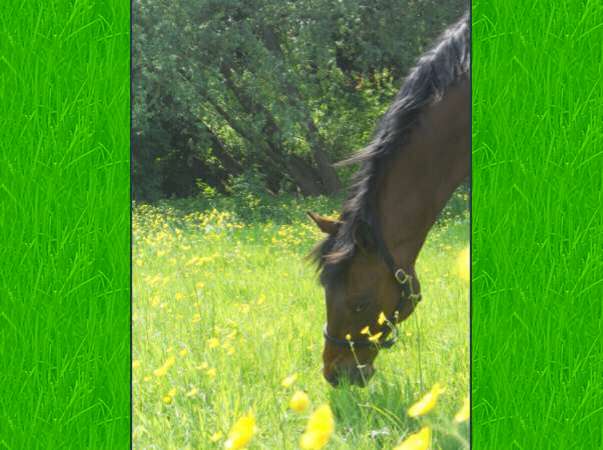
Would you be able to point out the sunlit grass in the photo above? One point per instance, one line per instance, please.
(239, 312)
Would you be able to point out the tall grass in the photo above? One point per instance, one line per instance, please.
(537, 196)
(64, 213)
(239, 309)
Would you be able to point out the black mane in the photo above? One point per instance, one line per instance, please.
(438, 69)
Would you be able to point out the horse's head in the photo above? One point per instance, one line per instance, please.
(365, 299)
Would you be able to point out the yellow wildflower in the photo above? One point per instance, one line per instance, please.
(427, 402)
(169, 397)
(213, 342)
(135, 364)
(162, 371)
(375, 337)
(202, 366)
(382, 319)
(197, 318)
(463, 264)
(416, 441)
(319, 429)
(199, 285)
(183, 352)
(179, 296)
(232, 334)
(211, 373)
(147, 378)
(366, 330)
(288, 381)
(348, 337)
(192, 392)
(268, 334)
(464, 412)
(241, 432)
(216, 436)
(299, 401)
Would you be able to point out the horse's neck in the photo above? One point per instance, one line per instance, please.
(421, 179)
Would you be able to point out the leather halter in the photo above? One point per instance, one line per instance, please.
(404, 279)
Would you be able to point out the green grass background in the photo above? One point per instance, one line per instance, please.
(64, 211)
(64, 224)
(537, 319)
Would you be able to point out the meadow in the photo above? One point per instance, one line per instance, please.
(226, 308)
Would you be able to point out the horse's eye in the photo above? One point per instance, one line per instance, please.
(359, 307)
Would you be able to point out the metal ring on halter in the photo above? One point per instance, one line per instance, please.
(401, 276)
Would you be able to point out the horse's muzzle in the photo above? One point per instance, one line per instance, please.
(355, 375)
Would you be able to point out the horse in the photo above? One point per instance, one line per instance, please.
(419, 154)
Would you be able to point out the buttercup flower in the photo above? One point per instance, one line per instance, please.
(216, 436)
(382, 319)
(416, 441)
(427, 402)
(241, 432)
(463, 263)
(162, 371)
(169, 397)
(288, 381)
(464, 412)
(319, 429)
(299, 401)
(192, 392)
(375, 337)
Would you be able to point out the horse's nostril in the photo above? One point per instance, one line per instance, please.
(331, 378)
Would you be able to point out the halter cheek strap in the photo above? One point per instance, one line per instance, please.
(404, 279)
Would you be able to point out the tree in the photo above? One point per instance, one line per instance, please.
(221, 87)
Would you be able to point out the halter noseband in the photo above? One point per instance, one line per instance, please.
(404, 279)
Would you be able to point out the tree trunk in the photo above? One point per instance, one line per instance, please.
(326, 172)
(328, 175)
(300, 172)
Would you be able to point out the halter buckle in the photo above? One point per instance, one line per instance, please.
(401, 277)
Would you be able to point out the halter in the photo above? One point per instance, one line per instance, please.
(404, 279)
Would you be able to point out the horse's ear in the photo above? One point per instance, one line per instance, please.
(326, 225)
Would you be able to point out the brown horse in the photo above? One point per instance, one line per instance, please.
(420, 154)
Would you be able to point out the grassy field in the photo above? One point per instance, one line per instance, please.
(234, 308)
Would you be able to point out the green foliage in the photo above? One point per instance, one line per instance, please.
(283, 87)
